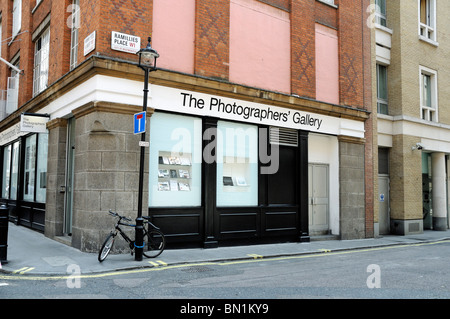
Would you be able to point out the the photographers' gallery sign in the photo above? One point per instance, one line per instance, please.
(176, 100)
(34, 123)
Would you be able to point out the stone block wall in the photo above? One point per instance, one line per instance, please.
(107, 160)
(56, 174)
(352, 190)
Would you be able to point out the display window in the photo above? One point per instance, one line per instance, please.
(14, 171)
(6, 175)
(41, 176)
(237, 164)
(175, 161)
(29, 168)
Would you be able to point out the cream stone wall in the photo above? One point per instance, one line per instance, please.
(409, 52)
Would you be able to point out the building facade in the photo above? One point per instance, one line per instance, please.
(260, 123)
(413, 122)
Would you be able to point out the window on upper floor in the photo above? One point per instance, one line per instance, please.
(382, 90)
(75, 25)
(12, 92)
(381, 12)
(16, 17)
(428, 95)
(41, 63)
(427, 20)
(328, 1)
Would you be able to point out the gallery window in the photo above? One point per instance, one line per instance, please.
(6, 174)
(237, 164)
(35, 168)
(175, 161)
(33, 165)
(41, 174)
(14, 171)
(29, 168)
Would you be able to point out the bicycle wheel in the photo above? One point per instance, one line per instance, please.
(154, 243)
(106, 248)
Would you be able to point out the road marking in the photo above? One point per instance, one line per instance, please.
(23, 270)
(3, 284)
(325, 250)
(162, 263)
(219, 263)
(255, 256)
(158, 263)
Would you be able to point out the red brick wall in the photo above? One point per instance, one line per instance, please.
(303, 79)
(126, 16)
(5, 6)
(351, 26)
(212, 38)
(369, 127)
(326, 14)
(282, 4)
(60, 38)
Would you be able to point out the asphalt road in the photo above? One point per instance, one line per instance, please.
(413, 272)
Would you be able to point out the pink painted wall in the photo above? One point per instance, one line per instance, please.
(260, 46)
(327, 65)
(174, 34)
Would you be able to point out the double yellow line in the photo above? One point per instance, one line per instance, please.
(23, 270)
(157, 265)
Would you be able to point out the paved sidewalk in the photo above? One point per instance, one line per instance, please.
(32, 253)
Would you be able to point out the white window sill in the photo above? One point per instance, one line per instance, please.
(328, 4)
(429, 41)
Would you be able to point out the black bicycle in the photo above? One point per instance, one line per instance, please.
(154, 240)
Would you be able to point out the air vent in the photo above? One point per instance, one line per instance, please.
(283, 136)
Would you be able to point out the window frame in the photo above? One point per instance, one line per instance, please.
(429, 113)
(74, 33)
(381, 100)
(6, 171)
(328, 2)
(41, 62)
(381, 17)
(16, 17)
(427, 31)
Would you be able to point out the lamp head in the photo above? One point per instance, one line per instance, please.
(147, 57)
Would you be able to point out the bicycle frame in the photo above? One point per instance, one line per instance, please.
(152, 249)
(124, 235)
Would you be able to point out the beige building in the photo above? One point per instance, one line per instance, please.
(413, 122)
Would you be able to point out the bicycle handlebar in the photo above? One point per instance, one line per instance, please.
(117, 215)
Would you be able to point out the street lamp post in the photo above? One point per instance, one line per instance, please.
(147, 62)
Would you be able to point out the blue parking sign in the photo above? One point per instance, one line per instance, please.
(139, 122)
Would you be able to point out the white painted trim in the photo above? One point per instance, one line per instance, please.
(122, 91)
(434, 136)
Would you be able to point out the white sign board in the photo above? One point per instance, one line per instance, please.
(33, 123)
(125, 42)
(89, 43)
(180, 101)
